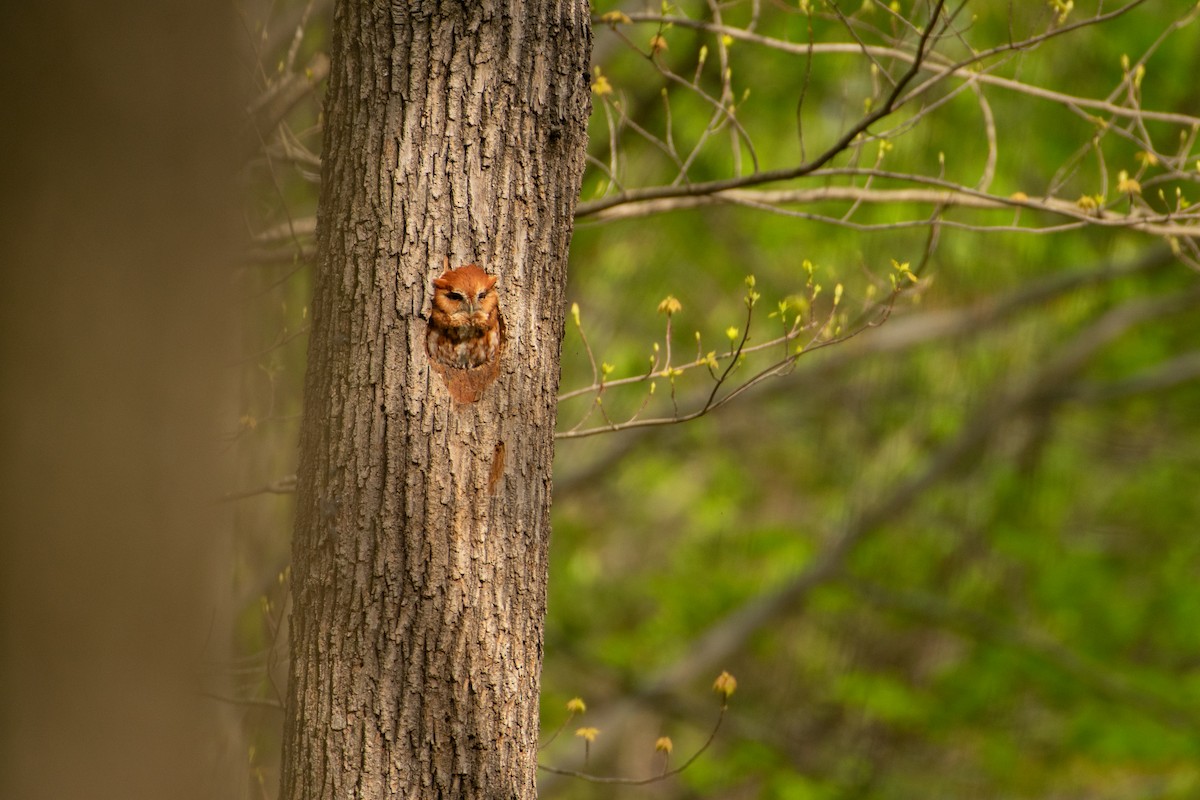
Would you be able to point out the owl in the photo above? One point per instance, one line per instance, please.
(465, 335)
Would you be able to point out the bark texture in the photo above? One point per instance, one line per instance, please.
(419, 564)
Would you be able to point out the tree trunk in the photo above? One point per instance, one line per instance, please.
(115, 243)
(419, 564)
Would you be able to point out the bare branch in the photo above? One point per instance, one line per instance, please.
(269, 110)
(245, 701)
(1099, 678)
(919, 60)
(1168, 374)
(708, 187)
(287, 231)
(285, 485)
(587, 776)
(947, 194)
(713, 401)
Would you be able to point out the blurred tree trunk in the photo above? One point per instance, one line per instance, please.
(419, 560)
(115, 241)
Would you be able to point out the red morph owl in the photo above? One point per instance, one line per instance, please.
(465, 336)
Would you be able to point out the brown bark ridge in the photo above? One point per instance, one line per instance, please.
(419, 564)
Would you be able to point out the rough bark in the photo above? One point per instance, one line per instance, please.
(419, 562)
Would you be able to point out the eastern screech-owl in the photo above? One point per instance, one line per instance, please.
(465, 336)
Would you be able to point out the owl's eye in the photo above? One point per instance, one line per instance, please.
(454, 296)
(482, 295)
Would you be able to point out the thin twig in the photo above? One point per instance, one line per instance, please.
(587, 776)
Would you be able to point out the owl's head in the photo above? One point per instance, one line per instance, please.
(466, 295)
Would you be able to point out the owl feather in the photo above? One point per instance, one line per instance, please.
(465, 335)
